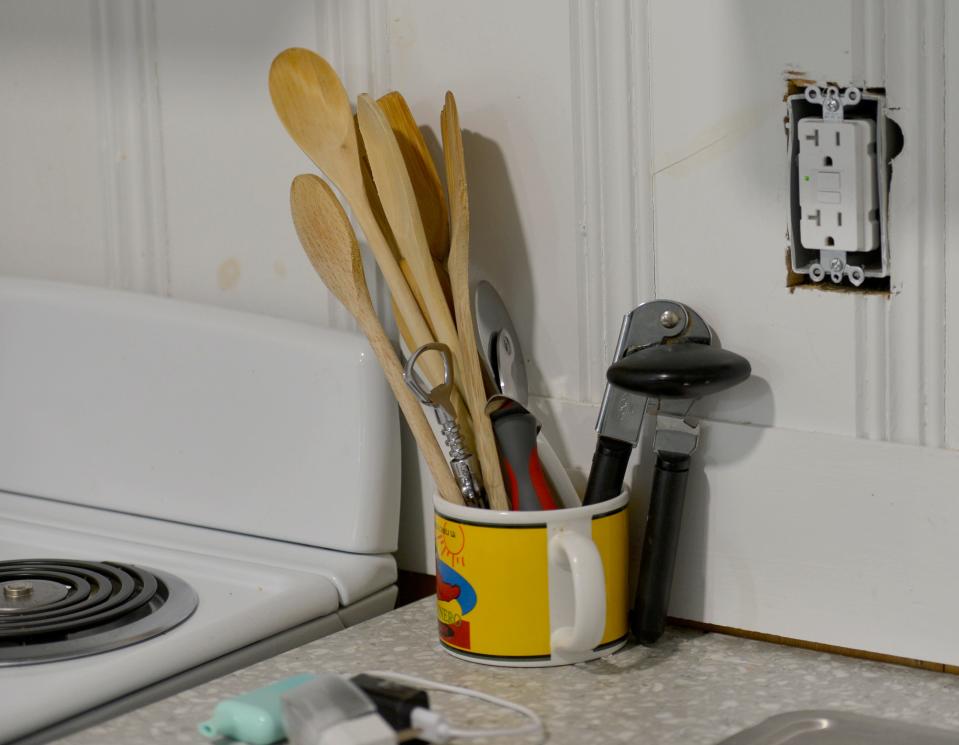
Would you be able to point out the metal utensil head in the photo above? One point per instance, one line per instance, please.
(500, 351)
(508, 366)
(438, 396)
(649, 324)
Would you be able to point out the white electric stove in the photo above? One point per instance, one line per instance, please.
(185, 490)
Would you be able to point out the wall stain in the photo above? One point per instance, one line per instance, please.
(279, 268)
(228, 274)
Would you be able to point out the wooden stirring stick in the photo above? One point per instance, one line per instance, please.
(458, 264)
(330, 243)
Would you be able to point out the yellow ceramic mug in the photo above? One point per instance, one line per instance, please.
(532, 588)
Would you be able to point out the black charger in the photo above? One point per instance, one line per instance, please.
(394, 701)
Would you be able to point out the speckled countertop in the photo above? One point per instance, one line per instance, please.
(690, 688)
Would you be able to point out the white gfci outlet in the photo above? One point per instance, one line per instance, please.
(837, 189)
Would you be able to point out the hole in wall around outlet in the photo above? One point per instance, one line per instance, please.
(796, 83)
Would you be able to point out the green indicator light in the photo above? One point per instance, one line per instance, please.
(805, 178)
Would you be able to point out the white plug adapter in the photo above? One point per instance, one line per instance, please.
(371, 729)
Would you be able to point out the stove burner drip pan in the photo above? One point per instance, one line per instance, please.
(57, 609)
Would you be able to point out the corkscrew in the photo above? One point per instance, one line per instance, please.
(463, 463)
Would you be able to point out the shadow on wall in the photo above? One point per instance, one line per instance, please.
(498, 253)
(750, 402)
(715, 451)
(498, 250)
(688, 599)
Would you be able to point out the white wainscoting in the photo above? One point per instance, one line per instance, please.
(618, 150)
(824, 538)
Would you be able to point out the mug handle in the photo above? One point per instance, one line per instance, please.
(579, 553)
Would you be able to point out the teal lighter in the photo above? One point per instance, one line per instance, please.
(255, 717)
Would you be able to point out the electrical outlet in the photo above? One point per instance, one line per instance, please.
(837, 189)
(840, 147)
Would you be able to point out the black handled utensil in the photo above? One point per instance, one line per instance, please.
(677, 374)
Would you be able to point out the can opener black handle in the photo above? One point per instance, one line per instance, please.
(675, 369)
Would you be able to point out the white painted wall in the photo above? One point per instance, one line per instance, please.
(617, 151)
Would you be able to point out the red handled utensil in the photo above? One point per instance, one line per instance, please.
(514, 427)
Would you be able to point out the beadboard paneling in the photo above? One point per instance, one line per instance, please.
(613, 185)
(916, 322)
(228, 160)
(951, 227)
(871, 368)
(132, 167)
(52, 211)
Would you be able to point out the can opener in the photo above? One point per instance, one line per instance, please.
(666, 355)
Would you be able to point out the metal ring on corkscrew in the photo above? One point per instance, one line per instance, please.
(462, 462)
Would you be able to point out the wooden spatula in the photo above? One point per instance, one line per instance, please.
(463, 417)
(396, 194)
(419, 163)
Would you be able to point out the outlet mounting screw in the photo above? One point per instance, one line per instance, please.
(832, 104)
(836, 265)
(669, 319)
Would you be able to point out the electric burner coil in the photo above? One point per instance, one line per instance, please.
(57, 609)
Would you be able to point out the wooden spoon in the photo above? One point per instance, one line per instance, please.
(313, 106)
(458, 264)
(426, 181)
(330, 243)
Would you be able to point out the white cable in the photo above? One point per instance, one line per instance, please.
(444, 730)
